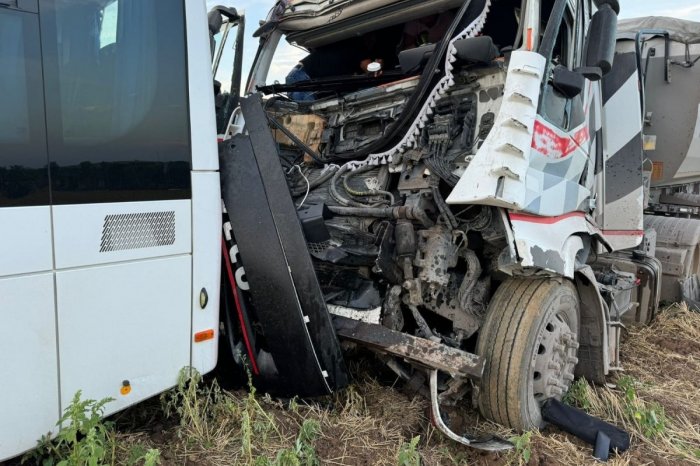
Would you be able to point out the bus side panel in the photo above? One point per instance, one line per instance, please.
(29, 392)
(206, 269)
(93, 234)
(124, 329)
(26, 240)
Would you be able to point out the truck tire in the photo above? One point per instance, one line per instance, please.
(529, 341)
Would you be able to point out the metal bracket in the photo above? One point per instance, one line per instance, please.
(419, 351)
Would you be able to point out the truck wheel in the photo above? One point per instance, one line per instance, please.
(529, 341)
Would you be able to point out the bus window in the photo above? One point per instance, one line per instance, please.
(23, 160)
(117, 108)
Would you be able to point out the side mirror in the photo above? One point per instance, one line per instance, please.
(214, 18)
(569, 83)
(215, 21)
(600, 47)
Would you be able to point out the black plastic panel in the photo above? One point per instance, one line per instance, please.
(292, 238)
(286, 294)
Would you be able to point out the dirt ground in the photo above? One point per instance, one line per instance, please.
(656, 399)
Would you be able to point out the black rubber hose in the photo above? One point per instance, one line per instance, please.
(370, 192)
(444, 209)
(299, 189)
(335, 194)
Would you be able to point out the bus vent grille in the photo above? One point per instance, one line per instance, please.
(136, 231)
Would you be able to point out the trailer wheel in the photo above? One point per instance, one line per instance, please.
(529, 340)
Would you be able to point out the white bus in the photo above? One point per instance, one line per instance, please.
(110, 218)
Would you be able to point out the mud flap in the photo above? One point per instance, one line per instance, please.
(292, 316)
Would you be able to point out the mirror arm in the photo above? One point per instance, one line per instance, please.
(551, 32)
(549, 39)
(237, 72)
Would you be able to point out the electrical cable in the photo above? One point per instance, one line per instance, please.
(308, 185)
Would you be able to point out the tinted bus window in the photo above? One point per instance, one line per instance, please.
(23, 160)
(116, 100)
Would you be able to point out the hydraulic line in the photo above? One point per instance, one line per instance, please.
(444, 209)
(408, 213)
(335, 194)
(369, 192)
(327, 174)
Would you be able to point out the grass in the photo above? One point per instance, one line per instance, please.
(522, 453)
(408, 453)
(657, 400)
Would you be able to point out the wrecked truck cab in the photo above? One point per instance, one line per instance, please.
(455, 197)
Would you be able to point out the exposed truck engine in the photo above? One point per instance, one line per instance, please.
(381, 233)
(483, 195)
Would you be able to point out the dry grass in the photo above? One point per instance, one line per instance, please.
(373, 424)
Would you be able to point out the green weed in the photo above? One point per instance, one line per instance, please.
(303, 453)
(143, 456)
(523, 447)
(408, 453)
(578, 395)
(83, 437)
(649, 417)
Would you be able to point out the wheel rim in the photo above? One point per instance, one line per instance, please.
(554, 358)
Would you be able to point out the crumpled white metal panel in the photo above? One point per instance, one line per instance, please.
(497, 174)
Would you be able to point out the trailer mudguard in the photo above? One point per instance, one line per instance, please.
(289, 304)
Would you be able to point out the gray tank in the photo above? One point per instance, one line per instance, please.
(672, 124)
(669, 51)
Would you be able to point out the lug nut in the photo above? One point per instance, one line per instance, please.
(555, 366)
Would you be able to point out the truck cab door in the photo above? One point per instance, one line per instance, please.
(28, 356)
(562, 135)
